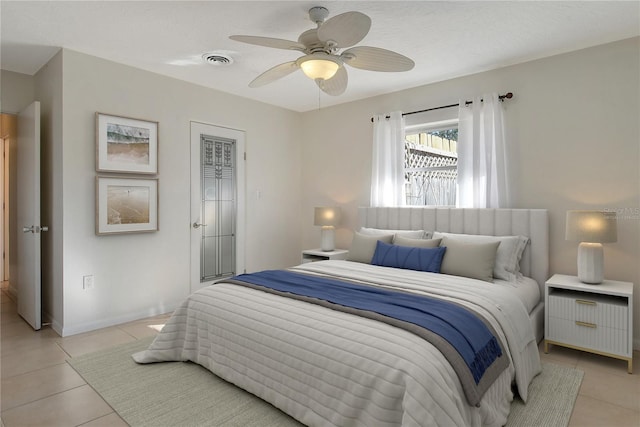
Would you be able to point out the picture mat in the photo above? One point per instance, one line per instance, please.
(138, 216)
(139, 157)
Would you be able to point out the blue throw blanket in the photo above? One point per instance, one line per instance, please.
(469, 335)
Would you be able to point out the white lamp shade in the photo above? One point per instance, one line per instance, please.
(592, 226)
(326, 216)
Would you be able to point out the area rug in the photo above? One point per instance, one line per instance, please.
(185, 394)
(552, 395)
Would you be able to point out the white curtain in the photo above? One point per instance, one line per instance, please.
(387, 172)
(483, 180)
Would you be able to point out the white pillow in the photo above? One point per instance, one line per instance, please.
(507, 264)
(364, 246)
(469, 259)
(416, 243)
(411, 234)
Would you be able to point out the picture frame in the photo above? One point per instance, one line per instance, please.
(126, 145)
(126, 205)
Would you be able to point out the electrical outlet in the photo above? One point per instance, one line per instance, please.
(87, 282)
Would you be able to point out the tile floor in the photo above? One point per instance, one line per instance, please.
(38, 388)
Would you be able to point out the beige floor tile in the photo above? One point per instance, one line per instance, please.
(615, 389)
(94, 341)
(21, 337)
(35, 385)
(17, 326)
(590, 412)
(610, 365)
(111, 420)
(142, 329)
(8, 307)
(69, 408)
(560, 355)
(17, 363)
(5, 297)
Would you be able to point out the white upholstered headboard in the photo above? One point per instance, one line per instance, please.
(532, 223)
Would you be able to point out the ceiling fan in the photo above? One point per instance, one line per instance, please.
(322, 61)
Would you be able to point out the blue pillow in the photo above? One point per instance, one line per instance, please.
(421, 259)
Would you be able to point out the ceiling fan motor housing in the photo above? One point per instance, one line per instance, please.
(318, 14)
(313, 44)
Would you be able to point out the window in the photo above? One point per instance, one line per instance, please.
(431, 163)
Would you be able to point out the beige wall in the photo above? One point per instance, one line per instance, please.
(17, 91)
(573, 127)
(138, 275)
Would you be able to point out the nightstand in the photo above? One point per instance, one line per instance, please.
(593, 318)
(311, 255)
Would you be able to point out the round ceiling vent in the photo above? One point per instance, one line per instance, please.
(217, 58)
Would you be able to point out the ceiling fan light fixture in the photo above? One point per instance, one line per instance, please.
(321, 67)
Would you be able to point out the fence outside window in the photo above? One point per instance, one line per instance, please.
(431, 168)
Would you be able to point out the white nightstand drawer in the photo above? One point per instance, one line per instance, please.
(589, 335)
(603, 310)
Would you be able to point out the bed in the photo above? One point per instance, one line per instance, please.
(326, 366)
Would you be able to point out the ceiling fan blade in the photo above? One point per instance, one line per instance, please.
(269, 42)
(336, 85)
(376, 59)
(345, 29)
(274, 74)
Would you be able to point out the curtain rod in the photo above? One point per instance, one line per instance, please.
(508, 95)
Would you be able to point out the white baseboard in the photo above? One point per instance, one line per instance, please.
(113, 321)
(55, 325)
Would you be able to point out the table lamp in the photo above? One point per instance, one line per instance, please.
(591, 229)
(328, 218)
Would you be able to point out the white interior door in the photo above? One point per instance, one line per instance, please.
(28, 276)
(217, 203)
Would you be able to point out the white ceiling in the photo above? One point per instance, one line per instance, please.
(445, 39)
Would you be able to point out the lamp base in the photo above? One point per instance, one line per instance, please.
(590, 263)
(328, 238)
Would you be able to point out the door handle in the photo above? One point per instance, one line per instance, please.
(34, 229)
(196, 225)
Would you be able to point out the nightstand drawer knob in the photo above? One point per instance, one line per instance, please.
(584, 302)
(588, 325)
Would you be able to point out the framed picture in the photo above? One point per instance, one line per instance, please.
(126, 205)
(126, 145)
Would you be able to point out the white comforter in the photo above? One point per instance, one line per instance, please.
(329, 368)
